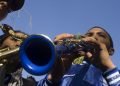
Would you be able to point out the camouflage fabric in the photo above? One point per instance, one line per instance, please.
(78, 60)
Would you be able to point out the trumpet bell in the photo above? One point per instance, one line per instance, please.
(37, 54)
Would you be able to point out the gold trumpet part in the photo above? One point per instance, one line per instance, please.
(9, 58)
(7, 51)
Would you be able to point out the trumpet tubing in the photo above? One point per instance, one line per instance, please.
(6, 51)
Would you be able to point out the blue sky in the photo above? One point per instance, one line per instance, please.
(52, 17)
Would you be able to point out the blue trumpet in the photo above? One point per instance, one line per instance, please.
(38, 53)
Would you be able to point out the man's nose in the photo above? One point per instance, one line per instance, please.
(95, 36)
(18, 43)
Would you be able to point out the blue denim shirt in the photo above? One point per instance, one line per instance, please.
(86, 75)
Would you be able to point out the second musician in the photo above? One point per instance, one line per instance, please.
(97, 69)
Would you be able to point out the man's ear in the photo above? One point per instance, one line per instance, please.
(111, 51)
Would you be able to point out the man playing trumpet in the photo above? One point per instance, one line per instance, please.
(97, 68)
(10, 65)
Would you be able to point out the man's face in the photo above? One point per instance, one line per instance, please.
(3, 9)
(11, 42)
(12, 59)
(99, 35)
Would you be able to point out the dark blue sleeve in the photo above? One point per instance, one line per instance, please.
(112, 77)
